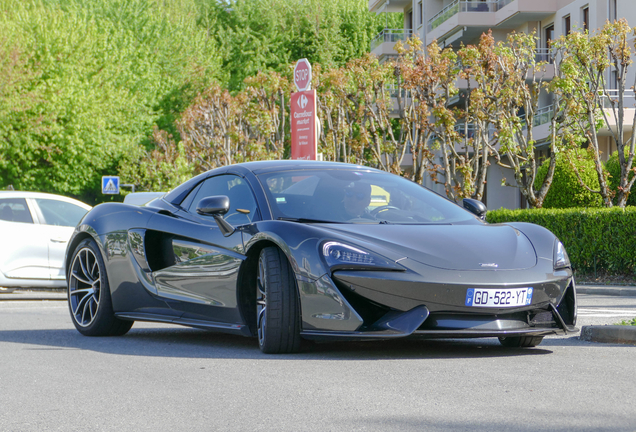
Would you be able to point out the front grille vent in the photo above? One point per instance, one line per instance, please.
(542, 318)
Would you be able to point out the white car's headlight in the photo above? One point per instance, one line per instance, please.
(561, 259)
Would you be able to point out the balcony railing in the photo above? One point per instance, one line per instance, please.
(629, 99)
(541, 117)
(468, 130)
(464, 6)
(544, 54)
(390, 35)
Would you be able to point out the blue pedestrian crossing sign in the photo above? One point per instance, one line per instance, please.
(110, 185)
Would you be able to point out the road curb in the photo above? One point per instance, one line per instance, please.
(607, 291)
(39, 295)
(617, 334)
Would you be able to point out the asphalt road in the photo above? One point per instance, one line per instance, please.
(162, 378)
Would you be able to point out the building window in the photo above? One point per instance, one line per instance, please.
(549, 35)
(409, 20)
(420, 16)
(566, 25)
(586, 18)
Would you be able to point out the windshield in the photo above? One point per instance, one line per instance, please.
(350, 196)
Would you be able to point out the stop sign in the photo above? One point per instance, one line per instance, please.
(302, 74)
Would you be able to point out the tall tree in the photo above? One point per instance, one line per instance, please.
(260, 35)
(586, 61)
(517, 78)
(97, 76)
(617, 102)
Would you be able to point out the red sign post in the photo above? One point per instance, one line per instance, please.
(304, 134)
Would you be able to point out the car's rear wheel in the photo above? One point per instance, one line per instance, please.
(277, 311)
(89, 298)
(521, 341)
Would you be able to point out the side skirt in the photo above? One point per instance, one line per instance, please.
(239, 329)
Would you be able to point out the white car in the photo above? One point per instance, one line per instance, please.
(35, 229)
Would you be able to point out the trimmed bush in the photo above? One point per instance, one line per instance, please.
(607, 235)
(614, 169)
(565, 190)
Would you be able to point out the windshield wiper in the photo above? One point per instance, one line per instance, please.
(306, 220)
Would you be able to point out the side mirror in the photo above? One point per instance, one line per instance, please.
(475, 207)
(216, 206)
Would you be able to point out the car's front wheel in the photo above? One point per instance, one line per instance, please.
(521, 341)
(89, 294)
(277, 308)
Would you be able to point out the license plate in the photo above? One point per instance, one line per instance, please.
(491, 297)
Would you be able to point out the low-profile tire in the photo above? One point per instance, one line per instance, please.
(521, 341)
(277, 306)
(89, 300)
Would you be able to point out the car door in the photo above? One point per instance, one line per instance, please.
(24, 251)
(58, 220)
(200, 264)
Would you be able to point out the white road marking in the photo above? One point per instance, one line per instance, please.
(606, 313)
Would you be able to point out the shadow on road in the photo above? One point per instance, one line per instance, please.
(193, 343)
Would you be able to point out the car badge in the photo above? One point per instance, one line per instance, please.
(489, 265)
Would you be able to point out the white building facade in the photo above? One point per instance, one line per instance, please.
(453, 22)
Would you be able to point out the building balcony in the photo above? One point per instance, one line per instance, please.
(465, 20)
(461, 6)
(629, 102)
(383, 45)
(379, 6)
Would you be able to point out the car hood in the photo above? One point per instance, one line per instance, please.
(452, 247)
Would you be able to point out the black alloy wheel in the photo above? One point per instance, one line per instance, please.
(277, 306)
(89, 299)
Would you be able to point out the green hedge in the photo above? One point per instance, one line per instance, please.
(565, 190)
(607, 235)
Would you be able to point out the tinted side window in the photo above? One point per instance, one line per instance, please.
(60, 213)
(15, 210)
(242, 202)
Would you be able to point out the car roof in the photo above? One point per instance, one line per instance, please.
(177, 195)
(42, 195)
(288, 165)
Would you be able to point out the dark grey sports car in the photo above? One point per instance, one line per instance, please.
(284, 250)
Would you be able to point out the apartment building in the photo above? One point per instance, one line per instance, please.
(450, 23)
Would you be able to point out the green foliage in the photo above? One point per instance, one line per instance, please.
(97, 75)
(600, 239)
(630, 322)
(162, 169)
(566, 191)
(614, 169)
(261, 35)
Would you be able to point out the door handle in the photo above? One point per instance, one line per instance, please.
(59, 240)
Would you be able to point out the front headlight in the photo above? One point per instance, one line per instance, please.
(340, 256)
(561, 259)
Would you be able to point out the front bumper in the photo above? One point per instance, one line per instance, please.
(439, 312)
